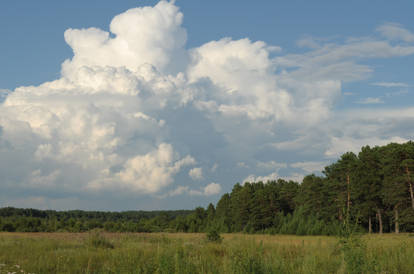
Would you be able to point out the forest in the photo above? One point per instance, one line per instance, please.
(373, 190)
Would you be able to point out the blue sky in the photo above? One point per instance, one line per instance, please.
(181, 100)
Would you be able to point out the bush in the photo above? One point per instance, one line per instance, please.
(8, 227)
(214, 236)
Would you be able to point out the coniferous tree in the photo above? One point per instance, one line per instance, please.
(368, 190)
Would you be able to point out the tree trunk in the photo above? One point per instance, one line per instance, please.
(348, 203)
(379, 220)
(410, 187)
(397, 225)
(369, 225)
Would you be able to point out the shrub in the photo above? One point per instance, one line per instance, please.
(214, 236)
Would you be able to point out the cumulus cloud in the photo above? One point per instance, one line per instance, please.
(243, 71)
(148, 35)
(270, 177)
(274, 176)
(196, 173)
(134, 111)
(101, 117)
(212, 189)
(209, 190)
(152, 171)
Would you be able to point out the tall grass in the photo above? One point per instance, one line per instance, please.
(192, 253)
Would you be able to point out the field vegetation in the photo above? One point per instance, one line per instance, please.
(98, 252)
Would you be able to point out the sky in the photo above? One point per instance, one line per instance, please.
(147, 105)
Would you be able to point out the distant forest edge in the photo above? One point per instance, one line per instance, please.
(374, 187)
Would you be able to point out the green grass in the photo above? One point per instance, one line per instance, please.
(192, 253)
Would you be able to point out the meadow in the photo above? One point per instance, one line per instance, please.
(99, 252)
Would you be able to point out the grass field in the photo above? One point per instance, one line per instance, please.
(191, 253)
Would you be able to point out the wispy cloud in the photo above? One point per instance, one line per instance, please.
(391, 84)
(271, 165)
(394, 31)
(370, 100)
(397, 93)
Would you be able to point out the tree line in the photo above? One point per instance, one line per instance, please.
(34, 220)
(374, 188)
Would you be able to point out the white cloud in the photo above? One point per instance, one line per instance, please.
(243, 72)
(270, 177)
(394, 31)
(196, 173)
(274, 176)
(209, 190)
(148, 35)
(212, 189)
(153, 171)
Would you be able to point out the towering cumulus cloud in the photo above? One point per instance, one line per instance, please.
(136, 113)
(149, 35)
(100, 125)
